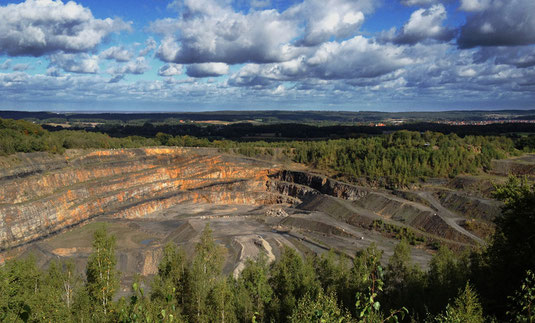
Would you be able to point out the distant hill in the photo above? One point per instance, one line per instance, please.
(277, 116)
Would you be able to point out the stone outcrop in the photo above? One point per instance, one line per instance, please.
(43, 194)
(303, 184)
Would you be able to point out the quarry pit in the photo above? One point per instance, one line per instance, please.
(51, 204)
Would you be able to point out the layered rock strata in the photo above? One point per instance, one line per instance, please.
(41, 194)
(56, 192)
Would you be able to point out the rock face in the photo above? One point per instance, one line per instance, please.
(303, 184)
(41, 194)
(44, 193)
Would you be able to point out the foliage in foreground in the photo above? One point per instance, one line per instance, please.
(328, 288)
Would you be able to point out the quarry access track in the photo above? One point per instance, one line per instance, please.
(449, 217)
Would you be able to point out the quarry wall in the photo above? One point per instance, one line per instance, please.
(41, 194)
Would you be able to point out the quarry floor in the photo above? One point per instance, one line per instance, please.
(243, 230)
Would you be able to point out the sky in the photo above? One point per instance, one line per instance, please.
(205, 55)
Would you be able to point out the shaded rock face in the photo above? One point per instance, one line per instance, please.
(43, 193)
(303, 184)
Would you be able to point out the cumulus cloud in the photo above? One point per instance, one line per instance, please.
(137, 66)
(75, 63)
(356, 58)
(424, 24)
(150, 45)
(207, 69)
(418, 2)
(208, 31)
(117, 53)
(170, 69)
(474, 5)
(518, 56)
(53, 71)
(332, 18)
(498, 23)
(38, 27)
(310, 54)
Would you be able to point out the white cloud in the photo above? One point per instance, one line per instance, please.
(150, 44)
(467, 72)
(137, 66)
(356, 58)
(474, 5)
(418, 2)
(207, 69)
(38, 27)
(312, 54)
(519, 56)
(280, 90)
(211, 32)
(423, 24)
(117, 53)
(325, 19)
(498, 23)
(170, 69)
(75, 63)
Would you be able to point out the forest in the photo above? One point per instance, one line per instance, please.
(392, 160)
(496, 283)
(276, 116)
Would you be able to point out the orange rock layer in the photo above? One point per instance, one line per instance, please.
(128, 183)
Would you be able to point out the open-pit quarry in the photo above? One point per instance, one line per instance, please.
(50, 206)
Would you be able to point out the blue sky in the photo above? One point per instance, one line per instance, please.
(199, 55)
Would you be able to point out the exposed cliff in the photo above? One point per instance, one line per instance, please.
(43, 193)
(302, 184)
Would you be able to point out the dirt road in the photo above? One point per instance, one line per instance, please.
(449, 217)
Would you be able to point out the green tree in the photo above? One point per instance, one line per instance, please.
(141, 309)
(220, 302)
(291, 278)
(447, 273)
(170, 285)
(404, 283)
(205, 271)
(499, 269)
(102, 277)
(465, 308)
(523, 302)
(19, 284)
(253, 291)
(322, 308)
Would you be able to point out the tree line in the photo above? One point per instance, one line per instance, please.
(494, 283)
(395, 159)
